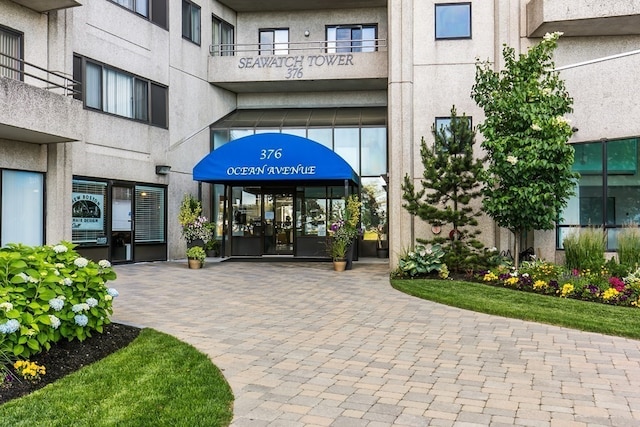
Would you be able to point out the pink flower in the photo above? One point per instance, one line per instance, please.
(616, 283)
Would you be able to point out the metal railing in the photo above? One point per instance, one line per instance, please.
(53, 81)
(322, 46)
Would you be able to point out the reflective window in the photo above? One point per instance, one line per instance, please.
(453, 20)
(347, 145)
(323, 136)
(22, 207)
(10, 54)
(117, 92)
(222, 38)
(373, 194)
(247, 215)
(351, 38)
(374, 144)
(610, 199)
(154, 10)
(191, 21)
(274, 41)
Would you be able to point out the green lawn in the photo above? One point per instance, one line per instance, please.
(155, 381)
(582, 315)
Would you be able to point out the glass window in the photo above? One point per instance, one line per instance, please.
(191, 21)
(453, 21)
(374, 208)
(149, 214)
(10, 54)
(347, 145)
(247, 212)
(274, 41)
(351, 38)
(311, 217)
(22, 208)
(88, 217)
(116, 92)
(322, 135)
(141, 7)
(222, 38)
(608, 191)
(374, 144)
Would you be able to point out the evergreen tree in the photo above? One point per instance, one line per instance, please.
(451, 181)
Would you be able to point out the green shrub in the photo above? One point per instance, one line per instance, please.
(629, 245)
(421, 262)
(48, 293)
(584, 249)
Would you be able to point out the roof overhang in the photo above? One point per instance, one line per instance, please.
(272, 158)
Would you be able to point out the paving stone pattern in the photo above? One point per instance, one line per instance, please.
(302, 345)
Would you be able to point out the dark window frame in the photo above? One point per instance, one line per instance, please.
(157, 116)
(20, 59)
(470, 17)
(188, 32)
(156, 9)
(222, 26)
(270, 48)
(352, 47)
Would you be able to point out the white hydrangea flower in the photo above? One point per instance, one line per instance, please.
(81, 319)
(92, 302)
(108, 297)
(59, 249)
(56, 303)
(81, 262)
(67, 281)
(59, 265)
(104, 263)
(512, 159)
(114, 293)
(535, 127)
(55, 322)
(552, 36)
(77, 308)
(6, 306)
(10, 326)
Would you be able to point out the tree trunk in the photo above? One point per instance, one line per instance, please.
(516, 249)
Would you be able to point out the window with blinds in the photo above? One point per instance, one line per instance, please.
(150, 214)
(10, 54)
(88, 218)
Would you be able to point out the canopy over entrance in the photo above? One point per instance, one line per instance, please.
(271, 157)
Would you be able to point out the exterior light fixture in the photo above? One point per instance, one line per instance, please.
(306, 33)
(162, 169)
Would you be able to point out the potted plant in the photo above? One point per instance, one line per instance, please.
(196, 229)
(381, 250)
(196, 256)
(343, 232)
(212, 248)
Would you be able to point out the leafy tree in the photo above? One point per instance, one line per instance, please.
(450, 183)
(529, 177)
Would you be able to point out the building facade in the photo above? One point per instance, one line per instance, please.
(106, 108)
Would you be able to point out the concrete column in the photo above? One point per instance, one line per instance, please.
(400, 127)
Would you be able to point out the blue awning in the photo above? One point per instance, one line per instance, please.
(270, 157)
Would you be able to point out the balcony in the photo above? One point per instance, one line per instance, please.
(289, 5)
(317, 66)
(36, 105)
(47, 5)
(581, 18)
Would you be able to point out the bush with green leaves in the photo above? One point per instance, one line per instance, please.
(48, 293)
(422, 261)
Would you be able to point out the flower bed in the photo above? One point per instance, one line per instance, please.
(549, 279)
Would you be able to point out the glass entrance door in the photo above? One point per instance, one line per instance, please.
(121, 223)
(278, 221)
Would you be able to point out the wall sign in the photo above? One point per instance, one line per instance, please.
(87, 211)
(294, 65)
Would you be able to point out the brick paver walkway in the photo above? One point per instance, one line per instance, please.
(302, 345)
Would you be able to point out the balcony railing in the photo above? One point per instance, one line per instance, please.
(53, 81)
(293, 48)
